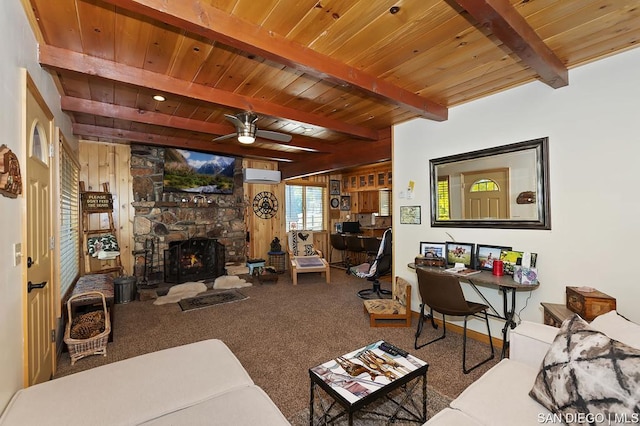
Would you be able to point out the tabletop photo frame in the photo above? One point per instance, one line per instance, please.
(432, 250)
(460, 253)
(486, 254)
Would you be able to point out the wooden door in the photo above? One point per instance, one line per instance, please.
(39, 345)
(486, 194)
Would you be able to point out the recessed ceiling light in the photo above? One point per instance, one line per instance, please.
(159, 98)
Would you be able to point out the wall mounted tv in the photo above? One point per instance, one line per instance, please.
(197, 172)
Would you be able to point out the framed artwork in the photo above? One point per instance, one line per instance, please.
(335, 202)
(510, 259)
(345, 202)
(410, 215)
(486, 254)
(428, 249)
(460, 253)
(334, 187)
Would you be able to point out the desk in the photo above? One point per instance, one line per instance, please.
(504, 284)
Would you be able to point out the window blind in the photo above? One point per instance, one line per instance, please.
(69, 222)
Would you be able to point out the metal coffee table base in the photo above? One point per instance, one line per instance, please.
(406, 408)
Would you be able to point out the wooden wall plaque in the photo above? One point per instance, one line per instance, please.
(10, 179)
(97, 201)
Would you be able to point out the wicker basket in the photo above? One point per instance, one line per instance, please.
(96, 345)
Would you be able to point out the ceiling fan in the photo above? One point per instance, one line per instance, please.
(246, 129)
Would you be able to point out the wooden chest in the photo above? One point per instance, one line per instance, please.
(589, 304)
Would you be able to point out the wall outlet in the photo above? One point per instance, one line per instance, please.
(17, 254)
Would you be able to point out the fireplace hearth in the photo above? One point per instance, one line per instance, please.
(193, 259)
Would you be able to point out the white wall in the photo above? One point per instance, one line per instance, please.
(17, 50)
(593, 127)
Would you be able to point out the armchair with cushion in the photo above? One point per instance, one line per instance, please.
(304, 256)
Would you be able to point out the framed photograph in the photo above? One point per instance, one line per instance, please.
(339, 228)
(335, 202)
(428, 249)
(510, 259)
(410, 215)
(345, 202)
(334, 187)
(460, 253)
(486, 254)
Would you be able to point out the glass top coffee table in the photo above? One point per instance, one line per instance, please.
(359, 378)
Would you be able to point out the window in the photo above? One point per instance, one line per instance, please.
(484, 185)
(385, 203)
(69, 222)
(304, 207)
(443, 198)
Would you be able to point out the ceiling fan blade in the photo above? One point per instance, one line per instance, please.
(236, 121)
(221, 138)
(276, 136)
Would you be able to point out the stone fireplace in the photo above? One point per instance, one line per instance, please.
(162, 220)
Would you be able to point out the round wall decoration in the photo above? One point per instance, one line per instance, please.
(265, 204)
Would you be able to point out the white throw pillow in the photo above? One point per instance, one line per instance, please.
(618, 328)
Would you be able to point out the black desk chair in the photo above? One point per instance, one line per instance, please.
(370, 246)
(355, 249)
(443, 293)
(337, 243)
(373, 271)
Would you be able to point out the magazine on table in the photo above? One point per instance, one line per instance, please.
(462, 271)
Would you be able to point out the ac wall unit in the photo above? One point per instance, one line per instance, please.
(261, 176)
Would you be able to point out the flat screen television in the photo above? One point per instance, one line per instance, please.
(197, 172)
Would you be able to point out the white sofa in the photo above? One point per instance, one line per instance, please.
(501, 395)
(201, 383)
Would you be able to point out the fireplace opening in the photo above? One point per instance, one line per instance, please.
(193, 259)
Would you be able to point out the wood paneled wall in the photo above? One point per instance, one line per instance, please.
(105, 162)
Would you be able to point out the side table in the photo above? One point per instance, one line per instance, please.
(555, 313)
(277, 261)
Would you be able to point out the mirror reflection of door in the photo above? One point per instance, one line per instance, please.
(39, 346)
(486, 194)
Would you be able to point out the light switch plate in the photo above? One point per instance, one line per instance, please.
(17, 254)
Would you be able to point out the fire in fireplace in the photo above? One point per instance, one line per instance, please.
(193, 259)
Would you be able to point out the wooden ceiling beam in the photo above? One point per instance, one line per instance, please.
(186, 143)
(66, 60)
(349, 155)
(506, 23)
(215, 24)
(102, 109)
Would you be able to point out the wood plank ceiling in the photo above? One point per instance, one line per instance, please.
(334, 74)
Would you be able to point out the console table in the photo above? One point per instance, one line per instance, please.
(503, 284)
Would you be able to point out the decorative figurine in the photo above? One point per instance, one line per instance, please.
(275, 245)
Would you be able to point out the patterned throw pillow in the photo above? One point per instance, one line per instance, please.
(309, 250)
(586, 376)
(104, 242)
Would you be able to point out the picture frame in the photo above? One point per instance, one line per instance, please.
(511, 258)
(486, 254)
(345, 202)
(432, 250)
(339, 228)
(334, 187)
(335, 202)
(460, 253)
(410, 215)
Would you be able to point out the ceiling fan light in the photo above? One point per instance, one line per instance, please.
(246, 139)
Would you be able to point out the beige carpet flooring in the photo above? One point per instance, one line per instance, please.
(281, 331)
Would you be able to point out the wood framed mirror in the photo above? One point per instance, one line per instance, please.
(501, 187)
